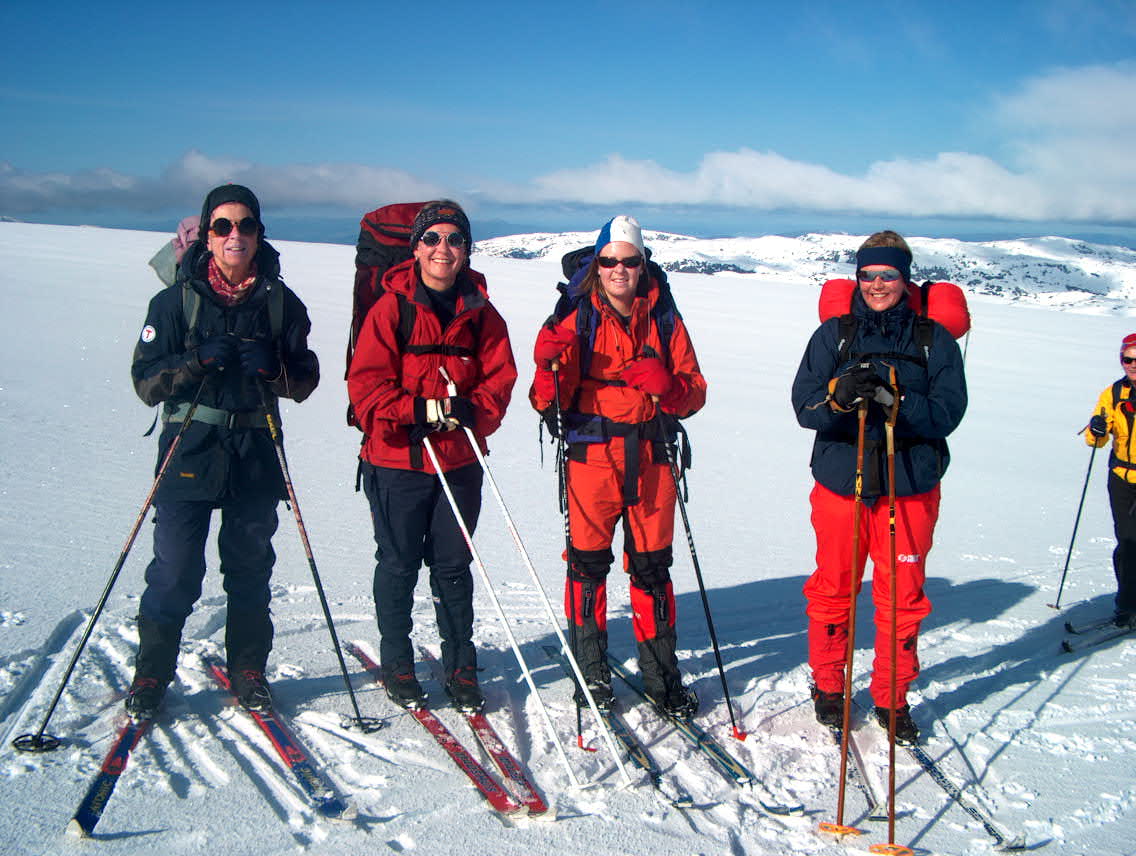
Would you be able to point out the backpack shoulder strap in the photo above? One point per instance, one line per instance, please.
(407, 314)
(276, 309)
(846, 333)
(191, 309)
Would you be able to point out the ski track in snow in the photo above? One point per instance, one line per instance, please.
(1039, 740)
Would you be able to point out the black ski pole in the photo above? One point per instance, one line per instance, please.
(1076, 522)
(738, 733)
(366, 724)
(40, 742)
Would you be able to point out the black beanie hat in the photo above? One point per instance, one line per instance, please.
(229, 193)
(441, 211)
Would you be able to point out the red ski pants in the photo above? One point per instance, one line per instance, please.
(595, 507)
(827, 590)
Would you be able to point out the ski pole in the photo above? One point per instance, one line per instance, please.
(889, 431)
(1076, 522)
(39, 742)
(738, 733)
(366, 724)
(536, 580)
(854, 584)
(577, 672)
(562, 500)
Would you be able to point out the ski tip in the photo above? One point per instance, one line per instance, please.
(77, 830)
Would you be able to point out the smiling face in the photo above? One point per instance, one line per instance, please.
(439, 264)
(1129, 368)
(878, 293)
(620, 282)
(233, 252)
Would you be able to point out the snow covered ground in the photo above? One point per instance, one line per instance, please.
(1042, 741)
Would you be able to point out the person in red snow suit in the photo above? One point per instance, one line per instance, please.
(400, 397)
(878, 352)
(617, 416)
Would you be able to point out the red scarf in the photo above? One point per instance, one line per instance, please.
(230, 294)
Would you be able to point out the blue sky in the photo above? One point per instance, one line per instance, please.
(713, 117)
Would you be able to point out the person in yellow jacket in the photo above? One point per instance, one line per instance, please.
(1116, 415)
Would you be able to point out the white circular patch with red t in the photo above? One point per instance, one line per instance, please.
(149, 334)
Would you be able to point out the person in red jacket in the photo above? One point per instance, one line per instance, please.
(400, 398)
(618, 406)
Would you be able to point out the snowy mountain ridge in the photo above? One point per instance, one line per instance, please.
(1051, 271)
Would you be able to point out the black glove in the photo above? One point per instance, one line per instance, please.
(858, 383)
(1098, 426)
(216, 352)
(259, 360)
(460, 410)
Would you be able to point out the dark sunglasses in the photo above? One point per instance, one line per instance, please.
(1128, 360)
(630, 262)
(886, 275)
(432, 239)
(222, 226)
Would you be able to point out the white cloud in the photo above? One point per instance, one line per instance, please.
(1068, 137)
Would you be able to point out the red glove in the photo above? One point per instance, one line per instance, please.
(544, 385)
(648, 375)
(551, 343)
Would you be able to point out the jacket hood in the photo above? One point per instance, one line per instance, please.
(403, 279)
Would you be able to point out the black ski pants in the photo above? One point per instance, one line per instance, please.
(175, 575)
(1122, 498)
(413, 523)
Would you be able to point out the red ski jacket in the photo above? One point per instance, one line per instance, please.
(388, 374)
(616, 346)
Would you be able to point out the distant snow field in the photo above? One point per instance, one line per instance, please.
(1040, 742)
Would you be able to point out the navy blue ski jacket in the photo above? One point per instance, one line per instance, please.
(218, 462)
(932, 389)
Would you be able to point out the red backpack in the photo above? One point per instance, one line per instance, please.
(941, 302)
(944, 302)
(384, 241)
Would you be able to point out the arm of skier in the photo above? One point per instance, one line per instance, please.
(811, 386)
(497, 373)
(299, 366)
(938, 412)
(161, 368)
(687, 393)
(542, 392)
(374, 384)
(1104, 412)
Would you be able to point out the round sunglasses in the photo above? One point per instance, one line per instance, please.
(222, 226)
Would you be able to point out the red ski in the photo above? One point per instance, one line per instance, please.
(495, 748)
(496, 795)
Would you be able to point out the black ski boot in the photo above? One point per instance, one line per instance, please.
(154, 666)
(403, 688)
(463, 690)
(251, 690)
(829, 708)
(145, 698)
(601, 693)
(906, 732)
(248, 639)
(680, 702)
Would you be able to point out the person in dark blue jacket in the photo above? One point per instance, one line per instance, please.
(231, 331)
(879, 354)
